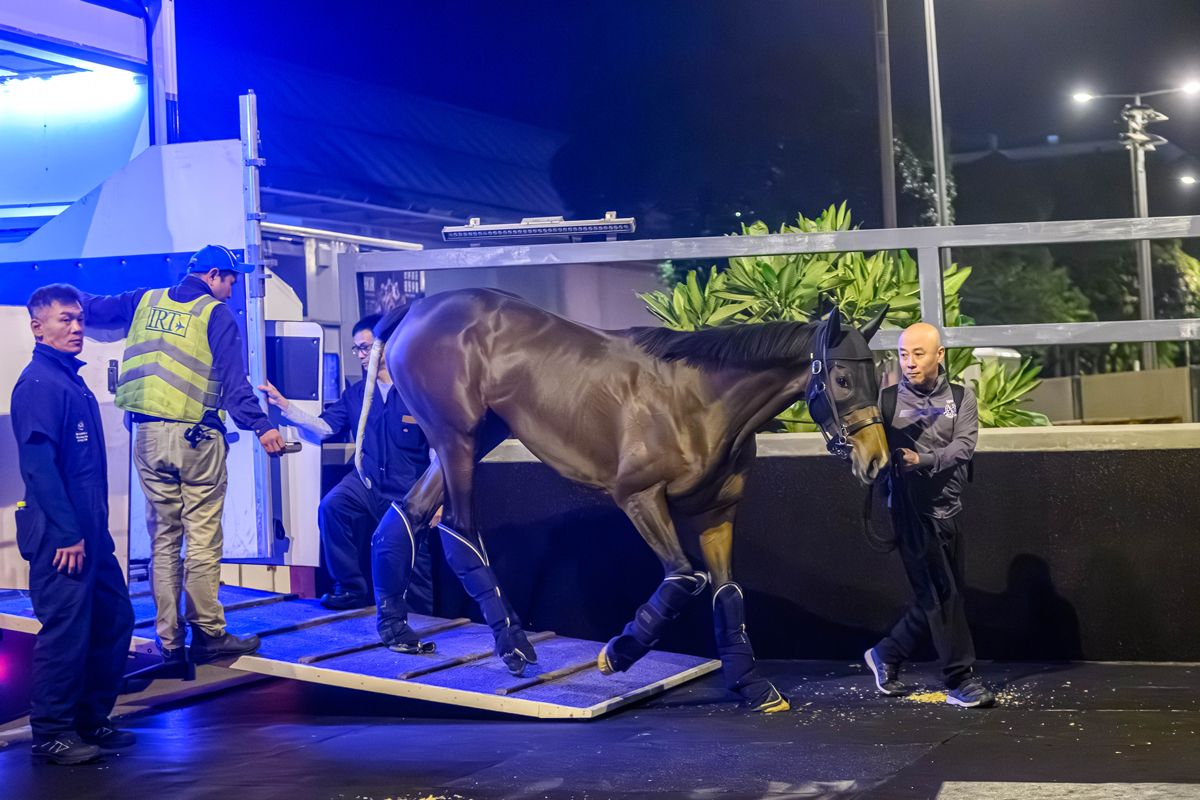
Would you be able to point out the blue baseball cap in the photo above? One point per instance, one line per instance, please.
(214, 256)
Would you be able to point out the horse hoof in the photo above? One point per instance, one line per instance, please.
(604, 662)
(418, 649)
(515, 662)
(773, 703)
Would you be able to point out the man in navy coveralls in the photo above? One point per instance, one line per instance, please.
(75, 582)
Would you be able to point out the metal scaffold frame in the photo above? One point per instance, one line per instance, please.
(929, 243)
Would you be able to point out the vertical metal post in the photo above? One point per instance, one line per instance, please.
(935, 107)
(929, 277)
(256, 322)
(883, 81)
(1141, 209)
(164, 91)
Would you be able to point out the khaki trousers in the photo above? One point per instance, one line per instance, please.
(185, 497)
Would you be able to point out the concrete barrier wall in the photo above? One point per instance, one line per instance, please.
(1080, 543)
(1163, 395)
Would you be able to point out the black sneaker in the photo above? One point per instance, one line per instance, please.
(108, 737)
(66, 748)
(885, 675)
(971, 693)
(207, 649)
(417, 649)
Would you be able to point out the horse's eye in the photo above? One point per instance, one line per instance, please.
(842, 382)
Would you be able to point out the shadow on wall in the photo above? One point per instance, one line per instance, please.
(1029, 620)
(1068, 555)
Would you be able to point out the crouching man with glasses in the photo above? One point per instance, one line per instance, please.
(350, 512)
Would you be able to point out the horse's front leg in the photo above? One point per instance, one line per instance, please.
(729, 615)
(647, 510)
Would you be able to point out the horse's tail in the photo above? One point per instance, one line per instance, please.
(382, 332)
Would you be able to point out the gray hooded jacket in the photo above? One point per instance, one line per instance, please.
(943, 437)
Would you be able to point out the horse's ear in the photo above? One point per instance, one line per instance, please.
(869, 330)
(833, 328)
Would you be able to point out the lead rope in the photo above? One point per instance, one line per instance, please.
(372, 370)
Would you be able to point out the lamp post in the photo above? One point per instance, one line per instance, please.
(1137, 116)
(935, 110)
(883, 74)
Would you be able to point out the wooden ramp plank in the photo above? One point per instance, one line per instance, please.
(462, 671)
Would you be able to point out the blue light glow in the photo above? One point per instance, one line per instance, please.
(102, 89)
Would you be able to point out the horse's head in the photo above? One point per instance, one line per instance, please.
(843, 394)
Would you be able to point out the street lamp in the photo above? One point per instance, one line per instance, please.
(1137, 116)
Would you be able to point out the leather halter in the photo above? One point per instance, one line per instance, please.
(855, 419)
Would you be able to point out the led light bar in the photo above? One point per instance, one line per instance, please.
(608, 227)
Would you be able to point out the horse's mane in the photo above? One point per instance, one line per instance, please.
(763, 344)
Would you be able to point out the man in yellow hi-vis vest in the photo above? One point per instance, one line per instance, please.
(182, 369)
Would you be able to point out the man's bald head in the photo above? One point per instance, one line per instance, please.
(921, 333)
(921, 352)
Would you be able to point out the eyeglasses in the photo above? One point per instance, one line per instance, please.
(361, 349)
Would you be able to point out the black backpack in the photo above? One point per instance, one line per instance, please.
(887, 409)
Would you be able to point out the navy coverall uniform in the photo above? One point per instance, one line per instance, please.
(87, 621)
(350, 512)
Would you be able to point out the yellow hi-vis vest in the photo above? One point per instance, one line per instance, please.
(167, 370)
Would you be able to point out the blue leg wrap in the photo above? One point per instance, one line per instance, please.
(737, 656)
(470, 563)
(393, 548)
(652, 618)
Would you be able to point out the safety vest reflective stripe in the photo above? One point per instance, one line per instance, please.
(202, 303)
(194, 392)
(176, 353)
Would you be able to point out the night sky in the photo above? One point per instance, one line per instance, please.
(686, 113)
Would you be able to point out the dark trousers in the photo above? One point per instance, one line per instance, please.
(931, 554)
(348, 515)
(80, 653)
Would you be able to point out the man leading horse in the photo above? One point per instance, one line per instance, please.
(663, 421)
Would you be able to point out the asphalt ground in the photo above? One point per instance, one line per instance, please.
(1077, 730)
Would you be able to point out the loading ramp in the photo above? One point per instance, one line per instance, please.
(304, 641)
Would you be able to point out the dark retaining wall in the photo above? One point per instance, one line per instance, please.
(1092, 555)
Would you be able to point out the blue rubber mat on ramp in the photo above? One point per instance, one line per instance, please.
(144, 610)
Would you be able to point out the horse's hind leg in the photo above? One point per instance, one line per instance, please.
(469, 559)
(394, 547)
(729, 617)
(648, 511)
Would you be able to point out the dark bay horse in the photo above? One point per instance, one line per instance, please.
(662, 421)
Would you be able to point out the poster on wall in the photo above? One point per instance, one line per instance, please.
(380, 292)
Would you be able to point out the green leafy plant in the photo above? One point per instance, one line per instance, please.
(999, 391)
(690, 307)
(799, 287)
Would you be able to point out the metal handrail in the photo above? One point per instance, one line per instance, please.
(928, 242)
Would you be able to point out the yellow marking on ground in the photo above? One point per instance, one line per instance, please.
(927, 697)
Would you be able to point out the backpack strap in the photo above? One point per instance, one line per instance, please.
(958, 391)
(887, 405)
